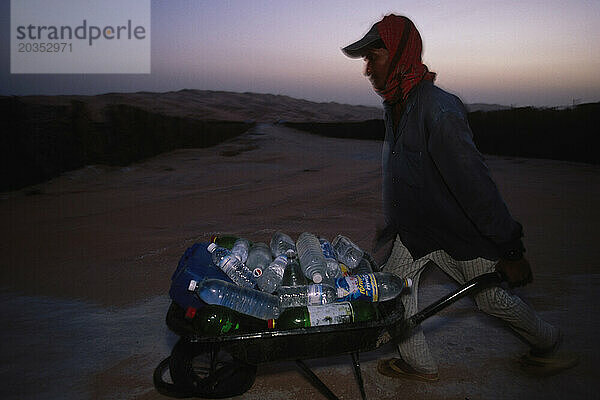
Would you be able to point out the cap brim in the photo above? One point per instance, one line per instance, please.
(359, 48)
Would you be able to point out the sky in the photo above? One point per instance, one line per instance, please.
(528, 52)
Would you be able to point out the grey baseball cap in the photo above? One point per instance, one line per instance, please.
(358, 48)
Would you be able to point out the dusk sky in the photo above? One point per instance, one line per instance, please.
(528, 52)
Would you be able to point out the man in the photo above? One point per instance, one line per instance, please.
(440, 202)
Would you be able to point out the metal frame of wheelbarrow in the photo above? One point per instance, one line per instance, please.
(323, 341)
(400, 330)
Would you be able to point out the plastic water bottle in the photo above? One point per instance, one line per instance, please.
(375, 287)
(233, 268)
(281, 243)
(363, 267)
(243, 300)
(332, 270)
(272, 276)
(347, 252)
(311, 257)
(259, 258)
(293, 275)
(307, 295)
(240, 249)
(328, 314)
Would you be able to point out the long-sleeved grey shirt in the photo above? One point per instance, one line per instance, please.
(437, 189)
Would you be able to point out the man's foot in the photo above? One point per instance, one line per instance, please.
(547, 351)
(548, 361)
(397, 368)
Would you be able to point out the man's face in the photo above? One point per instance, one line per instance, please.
(377, 62)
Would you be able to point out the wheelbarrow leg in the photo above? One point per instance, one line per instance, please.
(358, 375)
(314, 379)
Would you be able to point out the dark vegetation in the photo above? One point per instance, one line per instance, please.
(41, 141)
(571, 134)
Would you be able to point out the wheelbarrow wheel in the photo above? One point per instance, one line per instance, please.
(209, 372)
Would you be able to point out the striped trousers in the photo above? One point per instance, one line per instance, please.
(494, 301)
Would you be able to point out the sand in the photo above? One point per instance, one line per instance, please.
(87, 257)
(218, 105)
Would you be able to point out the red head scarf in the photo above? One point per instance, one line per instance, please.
(403, 42)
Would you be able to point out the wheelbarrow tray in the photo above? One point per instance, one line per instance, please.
(299, 343)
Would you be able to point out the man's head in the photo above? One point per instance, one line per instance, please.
(377, 63)
(392, 53)
(377, 58)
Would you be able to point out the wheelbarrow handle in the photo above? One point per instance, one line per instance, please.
(473, 286)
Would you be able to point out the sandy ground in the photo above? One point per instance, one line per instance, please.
(86, 260)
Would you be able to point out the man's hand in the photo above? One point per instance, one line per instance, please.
(517, 273)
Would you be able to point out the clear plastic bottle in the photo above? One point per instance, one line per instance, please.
(332, 270)
(240, 249)
(375, 287)
(308, 295)
(233, 268)
(244, 300)
(311, 257)
(259, 258)
(293, 275)
(272, 276)
(347, 252)
(281, 243)
(363, 267)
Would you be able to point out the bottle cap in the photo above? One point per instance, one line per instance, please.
(211, 247)
(190, 313)
(317, 278)
(290, 253)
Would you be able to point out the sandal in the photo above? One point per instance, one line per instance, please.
(398, 368)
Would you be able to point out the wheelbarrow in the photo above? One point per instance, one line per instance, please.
(225, 366)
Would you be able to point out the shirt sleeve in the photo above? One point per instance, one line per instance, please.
(467, 176)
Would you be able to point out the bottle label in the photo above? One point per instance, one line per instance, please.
(357, 287)
(345, 271)
(331, 314)
(227, 325)
(228, 264)
(328, 251)
(315, 294)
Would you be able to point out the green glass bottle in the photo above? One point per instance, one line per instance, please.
(226, 241)
(214, 320)
(328, 314)
(293, 275)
